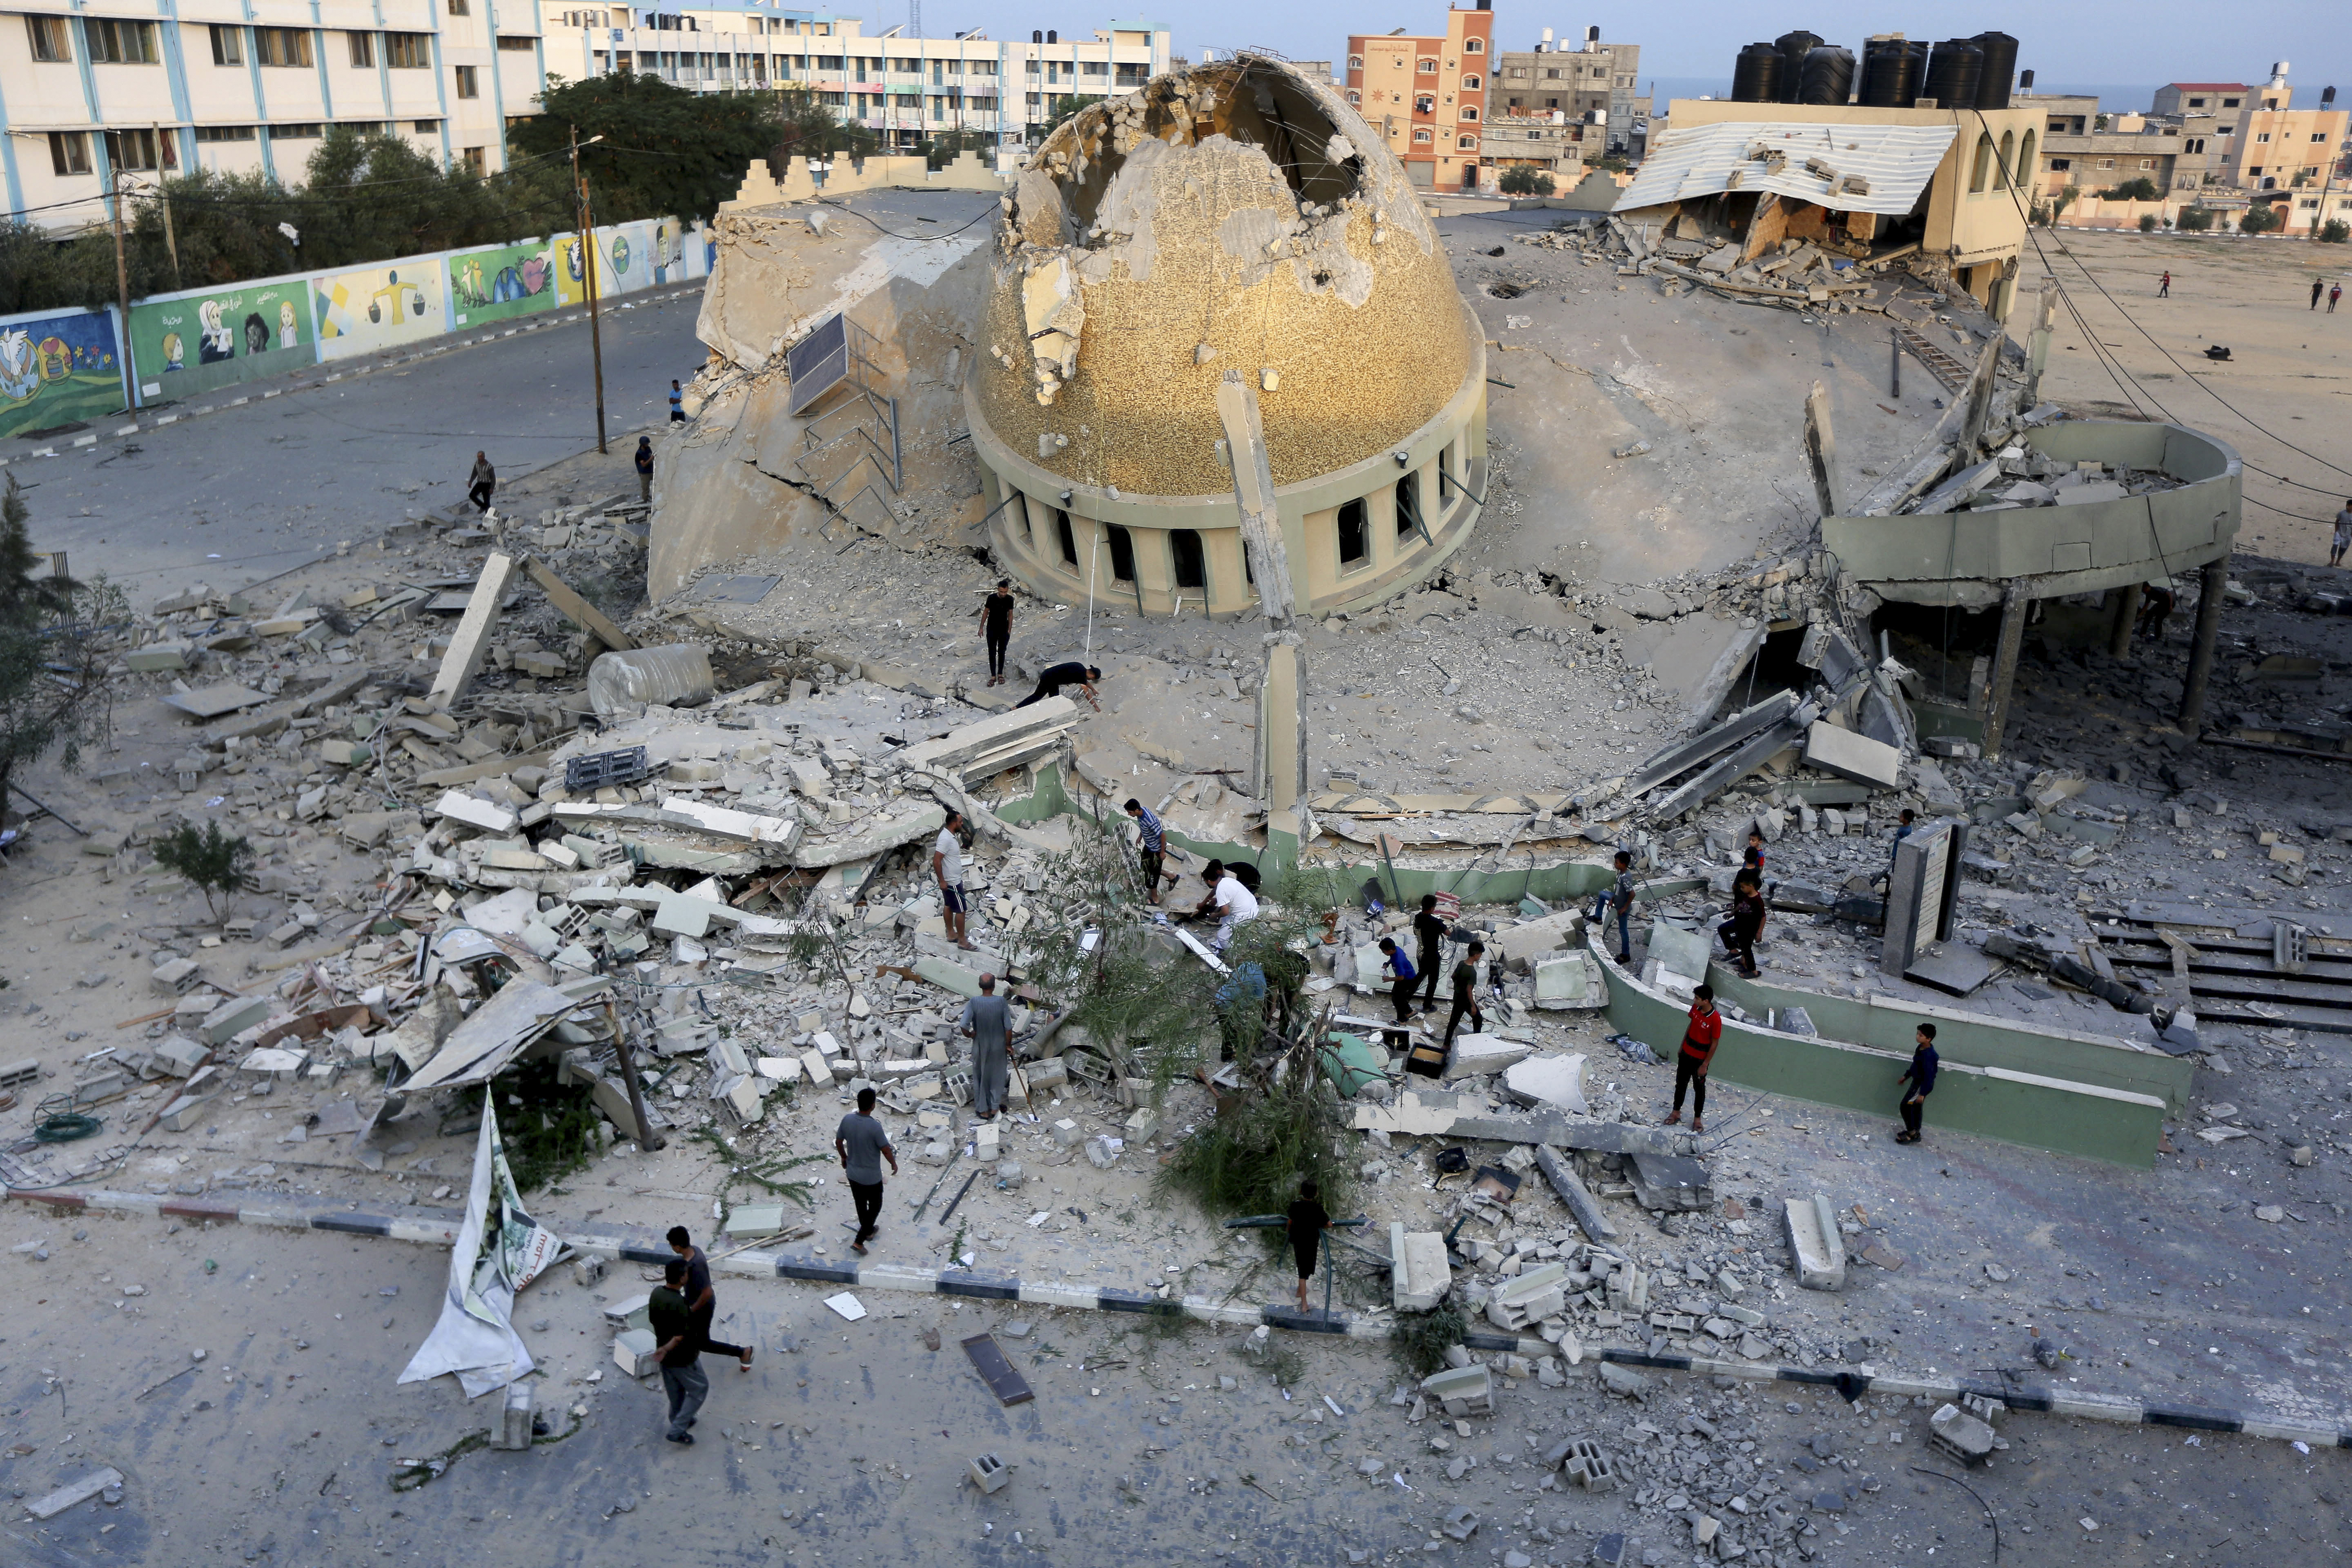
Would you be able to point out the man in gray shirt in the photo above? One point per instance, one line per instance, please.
(863, 1145)
(985, 1020)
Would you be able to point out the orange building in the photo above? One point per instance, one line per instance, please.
(1427, 96)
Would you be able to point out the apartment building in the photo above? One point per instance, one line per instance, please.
(905, 89)
(107, 87)
(1427, 94)
(1594, 84)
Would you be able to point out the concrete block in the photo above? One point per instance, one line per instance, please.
(1587, 1467)
(1420, 1273)
(1475, 1054)
(1814, 1242)
(159, 655)
(1961, 1435)
(989, 1472)
(174, 978)
(630, 1311)
(74, 1493)
(178, 1055)
(755, 1220)
(471, 640)
(1548, 1083)
(1465, 1390)
(1067, 1134)
(1852, 757)
(1569, 982)
(232, 1018)
(458, 806)
(514, 1425)
(633, 1353)
(1536, 1294)
(1684, 952)
(1624, 1381)
(1142, 1125)
(742, 1100)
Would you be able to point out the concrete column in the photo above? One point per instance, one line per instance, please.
(2200, 651)
(2122, 613)
(2015, 604)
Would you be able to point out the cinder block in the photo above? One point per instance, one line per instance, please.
(174, 978)
(1069, 1133)
(514, 1427)
(633, 1353)
(178, 1055)
(989, 1472)
(1471, 1388)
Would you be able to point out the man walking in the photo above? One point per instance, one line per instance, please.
(1921, 1075)
(1465, 994)
(2164, 286)
(645, 470)
(2334, 294)
(702, 1300)
(1745, 924)
(1432, 930)
(1073, 673)
(1402, 978)
(2318, 287)
(986, 1020)
(947, 867)
(484, 480)
(1699, 1037)
(1154, 851)
(863, 1144)
(1235, 906)
(677, 1351)
(676, 404)
(1308, 1220)
(1619, 896)
(2343, 535)
(996, 625)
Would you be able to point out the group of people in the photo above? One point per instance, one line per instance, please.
(1430, 931)
(2334, 294)
(1704, 1032)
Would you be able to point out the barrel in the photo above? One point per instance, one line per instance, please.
(1954, 69)
(1891, 72)
(1829, 76)
(1792, 48)
(1756, 75)
(1997, 71)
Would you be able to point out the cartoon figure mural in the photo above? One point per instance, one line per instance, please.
(217, 343)
(235, 339)
(509, 280)
(19, 377)
(55, 369)
(667, 253)
(256, 334)
(371, 307)
(176, 352)
(286, 326)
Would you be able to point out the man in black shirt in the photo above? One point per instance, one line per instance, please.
(1050, 684)
(996, 624)
(1465, 992)
(1307, 1224)
(1745, 924)
(701, 1299)
(646, 469)
(1431, 930)
(677, 1347)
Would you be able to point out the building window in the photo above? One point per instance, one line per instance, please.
(225, 134)
(2148, 162)
(2107, 162)
(1469, 84)
(70, 152)
(2008, 157)
(1355, 545)
(281, 46)
(2060, 165)
(229, 45)
(1421, 135)
(459, 8)
(142, 149)
(1469, 111)
(1429, 68)
(1474, 47)
(1982, 171)
(468, 84)
(308, 131)
(1447, 487)
(1355, 62)
(477, 162)
(49, 35)
(1355, 97)
(2261, 135)
(2195, 103)
(362, 50)
(113, 43)
(1408, 505)
(2230, 103)
(406, 51)
(426, 128)
(2025, 164)
(1069, 541)
(1190, 563)
(517, 44)
(1466, 142)
(1122, 553)
(1425, 104)
(2319, 136)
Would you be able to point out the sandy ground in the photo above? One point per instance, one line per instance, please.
(2281, 399)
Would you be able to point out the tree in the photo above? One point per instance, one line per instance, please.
(2142, 189)
(2335, 231)
(945, 147)
(664, 150)
(2195, 218)
(55, 654)
(2259, 218)
(2148, 223)
(1525, 180)
(214, 863)
(2063, 199)
(1067, 106)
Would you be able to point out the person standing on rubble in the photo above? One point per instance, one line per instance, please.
(863, 1144)
(2343, 535)
(1402, 977)
(1745, 924)
(995, 613)
(987, 1021)
(1235, 906)
(1152, 855)
(1699, 1040)
(645, 470)
(678, 1351)
(947, 867)
(1465, 994)
(1921, 1075)
(1308, 1222)
(1752, 863)
(1619, 896)
(677, 403)
(703, 1299)
(484, 481)
(1432, 929)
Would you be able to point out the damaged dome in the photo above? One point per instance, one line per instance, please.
(1234, 215)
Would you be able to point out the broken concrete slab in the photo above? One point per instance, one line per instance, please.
(1551, 1083)
(1419, 1273)
(1669, 1183)
(74, 1493)
(1562, 1177)
(1852, 757)
(1569, 982)
(1473, 1055)
(212, 701)
(1815, 1242)
(471, 640)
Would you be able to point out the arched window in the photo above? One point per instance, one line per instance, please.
(1470, 84)
(1475, 47)
(1191, 568)
(1355, 97)
(1429, 68)
(2008, 158)
(1467, 143)
(1984, 170)
(1355, 62)
(1469, 111)
(2028, 171)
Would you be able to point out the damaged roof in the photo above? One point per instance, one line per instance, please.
(1869, 168)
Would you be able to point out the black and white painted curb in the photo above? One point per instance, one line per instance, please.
(438, 1227)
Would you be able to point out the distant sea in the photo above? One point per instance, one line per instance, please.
(2112, 99)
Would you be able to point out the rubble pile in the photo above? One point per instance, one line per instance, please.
(1798, 274)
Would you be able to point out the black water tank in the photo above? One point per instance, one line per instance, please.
(1892, 69)
(1829, 76)
(1792, 48)
(1954, 68)
(1997, 71)
(1756, 75)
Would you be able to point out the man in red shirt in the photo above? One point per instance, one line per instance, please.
(1699, 1049)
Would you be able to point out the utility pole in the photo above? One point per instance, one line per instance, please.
(588, 267)
(163, 195)
(121, 285)
(2335, 156)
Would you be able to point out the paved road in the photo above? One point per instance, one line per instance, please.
(243, 493)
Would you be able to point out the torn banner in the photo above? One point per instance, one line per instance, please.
(500, 1250)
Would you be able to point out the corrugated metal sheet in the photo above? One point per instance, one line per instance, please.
(1896, 160)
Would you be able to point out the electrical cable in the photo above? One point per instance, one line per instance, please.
(845, 208)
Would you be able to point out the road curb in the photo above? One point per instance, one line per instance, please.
(632, 1244)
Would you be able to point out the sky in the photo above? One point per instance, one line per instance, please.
(2116, 44)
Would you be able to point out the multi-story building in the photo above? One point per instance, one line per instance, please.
(252, 86)
(1427, 95)
(1597, 84)
(1546, 141)
(2092, 152)
(2279, 147)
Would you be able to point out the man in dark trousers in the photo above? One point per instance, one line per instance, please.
(645, 470)
(676, 404)
(1402, 976)
(1050, 683)
(1465, 992)
(1921, 1075)
(2343, 540)
(947, 869)
(1307, 1223)
(2164, 285)
(679, 1351)
(1699, 1037)
(1619, 896)
(1745, 924)
(863, 1145)
(1153, 852)
(995, 613)
(483, 482)
(2318, 287)
(702, 1300)
(1431, 930)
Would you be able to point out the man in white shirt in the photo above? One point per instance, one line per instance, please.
(947, 867)
(1236, 905)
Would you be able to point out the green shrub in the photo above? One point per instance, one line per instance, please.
(2148, 223)
(2194, 219)
(1420, 1340)
(213, 862)
(2335, 231)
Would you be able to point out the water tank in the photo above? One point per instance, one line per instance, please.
(1892, 69)
(1792, 48)
(1829, 76)
(1999, 68)
(1954, 69)
(1756, 75)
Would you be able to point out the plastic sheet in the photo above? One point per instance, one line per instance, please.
(623, 684)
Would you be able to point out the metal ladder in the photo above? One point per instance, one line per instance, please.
(1943, 366)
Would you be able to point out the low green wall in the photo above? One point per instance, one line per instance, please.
(1999, 1102)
